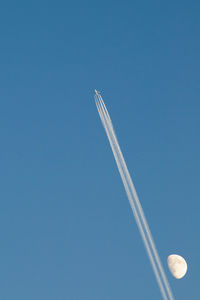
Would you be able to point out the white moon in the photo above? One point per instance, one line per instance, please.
(177, 265)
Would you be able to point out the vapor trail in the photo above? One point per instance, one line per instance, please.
(134, 200)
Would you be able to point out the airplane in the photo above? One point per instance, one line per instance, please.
(96, 92)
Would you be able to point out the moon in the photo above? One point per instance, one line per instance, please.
(177, 265)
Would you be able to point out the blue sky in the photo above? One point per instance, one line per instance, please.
(66, 228)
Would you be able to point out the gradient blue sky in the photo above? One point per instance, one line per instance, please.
(66, 228)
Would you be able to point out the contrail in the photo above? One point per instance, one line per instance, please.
(134, 200)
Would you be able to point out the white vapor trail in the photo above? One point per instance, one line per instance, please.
(134, 201)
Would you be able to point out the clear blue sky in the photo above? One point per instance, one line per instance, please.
(66, 228)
